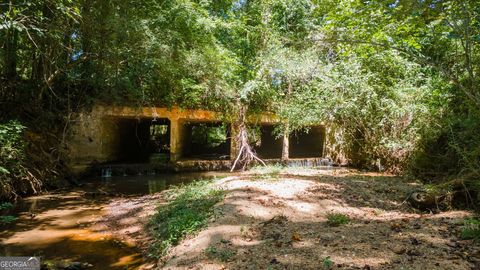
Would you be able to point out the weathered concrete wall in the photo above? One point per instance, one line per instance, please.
(97, 135)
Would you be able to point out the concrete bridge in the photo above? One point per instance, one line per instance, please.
(182, 137)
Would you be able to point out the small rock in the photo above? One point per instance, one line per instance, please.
(274, 261)
(327, 237)
(413, 252)
(399, 250)
(453, 244)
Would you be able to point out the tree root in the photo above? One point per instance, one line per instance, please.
(246, 154)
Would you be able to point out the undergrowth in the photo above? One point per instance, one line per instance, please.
(185, 215)
(471, 229)
(14, 176)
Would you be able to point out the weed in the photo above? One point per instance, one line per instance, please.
(471, 229)
(186, 214)
(5, 205)
(7, 219)
(337, 219)
(327, 263)
(223, 255)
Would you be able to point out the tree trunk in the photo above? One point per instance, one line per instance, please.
(10, 57)
(286, 131)
(285, 146)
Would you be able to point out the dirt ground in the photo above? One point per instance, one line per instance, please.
(279, 221)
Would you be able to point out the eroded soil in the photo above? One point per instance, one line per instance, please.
(279, 221)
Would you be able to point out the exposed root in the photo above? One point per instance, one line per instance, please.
(246, 154)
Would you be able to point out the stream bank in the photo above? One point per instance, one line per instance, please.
(72, 225)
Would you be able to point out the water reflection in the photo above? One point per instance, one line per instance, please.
(146, 184)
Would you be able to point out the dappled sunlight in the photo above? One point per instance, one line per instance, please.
(283, 222)
(304, 207)
(129, 260)
(287, 188)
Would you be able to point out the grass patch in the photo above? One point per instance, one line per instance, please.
(337, 219)
(186, 214)
(267, 173)
(471, 229)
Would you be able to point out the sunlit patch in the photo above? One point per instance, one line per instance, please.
(287, 188)
(303, 206)
(128, 260)
(359, 260)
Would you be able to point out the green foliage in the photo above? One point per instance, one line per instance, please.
(471, 229)
(7, 219)
(337, 219)
(327, 263)
(5, 205)
(13, 173)
(187, 213)
(209, 136)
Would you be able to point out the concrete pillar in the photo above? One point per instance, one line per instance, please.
(176, 129)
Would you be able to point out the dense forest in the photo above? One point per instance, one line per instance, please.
(396, 81)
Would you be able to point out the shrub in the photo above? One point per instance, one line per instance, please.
(327, 263)
(336, 219)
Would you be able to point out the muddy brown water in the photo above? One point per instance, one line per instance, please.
(60, 226)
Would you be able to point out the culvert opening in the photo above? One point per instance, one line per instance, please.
(140, 140)
(206, 140)
(266, 143)
(307, 143)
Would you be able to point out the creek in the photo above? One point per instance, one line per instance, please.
(59, 226)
